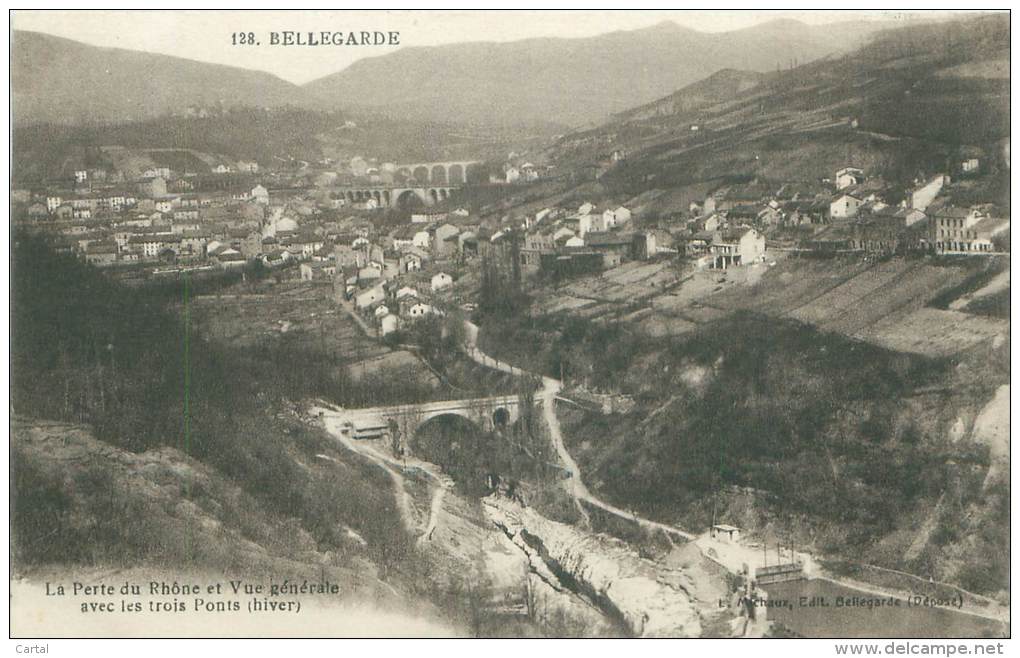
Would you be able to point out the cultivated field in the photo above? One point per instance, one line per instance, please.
(880, 302)
(883, 302)
(299, 313)
(934, 332)
(611, 293)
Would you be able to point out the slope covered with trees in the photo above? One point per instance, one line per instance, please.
(814, 438)
(89, 352)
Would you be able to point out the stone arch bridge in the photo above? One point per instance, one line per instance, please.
(489, 413)
(388, 196)
(454, 172)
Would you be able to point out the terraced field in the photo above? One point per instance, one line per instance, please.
(598, 296)
(935, 332)
(790, 285)
(883, 303)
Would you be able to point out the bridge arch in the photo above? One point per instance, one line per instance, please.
(438, 175)
(446, 416)
(409, 198)
(421, 174)
(500, 417)
(455, 174)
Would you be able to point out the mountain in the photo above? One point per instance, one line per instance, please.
(716, 88)
(63, 81)
(570, 81)
(904, 104)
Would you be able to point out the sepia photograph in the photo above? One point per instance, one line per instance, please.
(587, 323)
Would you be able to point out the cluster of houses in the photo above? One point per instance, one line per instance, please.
(392, 303)
(851, 212)
(519, 170)
(588, 238)
(117, 225)
(405, 274)
(397, 269)
(729, 225)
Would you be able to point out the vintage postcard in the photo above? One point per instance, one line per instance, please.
(542, 324)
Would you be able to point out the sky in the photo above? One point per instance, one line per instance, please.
(206, 36)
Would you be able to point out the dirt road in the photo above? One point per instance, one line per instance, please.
(395, 469)
(575, 484)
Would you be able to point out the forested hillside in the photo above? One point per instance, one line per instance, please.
(843, 446)
(88, 353)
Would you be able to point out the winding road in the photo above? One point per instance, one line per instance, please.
(575, 484)
(395, 469)
(741, 555)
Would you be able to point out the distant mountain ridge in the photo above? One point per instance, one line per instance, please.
(59, 80)
(542, 80)
(571, 81)
(909, 102)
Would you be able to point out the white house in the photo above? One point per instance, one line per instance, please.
(231, 259)
(441, 281)
(727, 533)
(260, 195)
(157, 172)
(368, 297)
(421, 240)
(309, 271)
(420, 310)
(406, 291)
(589, 222)
(739, 246)
(849, 176)
(388, 324)
(713, 222)
(844, 206)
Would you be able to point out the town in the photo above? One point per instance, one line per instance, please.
(396, 259)
(627, 334)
